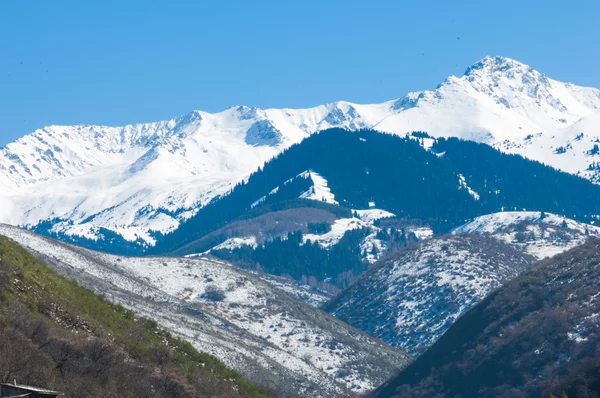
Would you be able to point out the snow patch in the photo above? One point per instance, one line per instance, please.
(319, 191)
(338, 229)
(369, 216)
(462, 183)
(235, 243)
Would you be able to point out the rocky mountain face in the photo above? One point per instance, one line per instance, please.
(133, 182)
(535, 336)
(264, 333)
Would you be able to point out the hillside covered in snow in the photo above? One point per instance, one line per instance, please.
(413, 296)
(139, 181)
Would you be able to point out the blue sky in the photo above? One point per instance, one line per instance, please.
(113, 63)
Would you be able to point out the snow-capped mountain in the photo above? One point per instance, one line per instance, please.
(132, 179)
(496, 99)
(261, 331)
(141, 178)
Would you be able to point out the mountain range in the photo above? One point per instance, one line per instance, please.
(413, 245)
(138, 181)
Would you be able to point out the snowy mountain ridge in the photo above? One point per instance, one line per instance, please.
(140, 178)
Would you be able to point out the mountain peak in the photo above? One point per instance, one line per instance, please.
(191, 117)
(489, 65)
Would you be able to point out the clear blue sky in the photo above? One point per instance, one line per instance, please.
(104, 62)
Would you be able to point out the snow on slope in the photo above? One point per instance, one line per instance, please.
(411, 297)
(513, 107)
(369, 216)
(234, 243)
(338, 229)
(540, 236)
(303, 292)
(152, 176)
(320, 190)
(497, 99)
(254, 328)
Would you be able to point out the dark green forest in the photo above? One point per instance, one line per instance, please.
(339, 265)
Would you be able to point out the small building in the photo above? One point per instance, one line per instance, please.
(20, 390)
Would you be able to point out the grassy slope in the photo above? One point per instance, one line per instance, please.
(41, 296)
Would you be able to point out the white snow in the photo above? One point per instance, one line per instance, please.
(462, 183)
(338, 229)
(234, 243)
(319, 190)
(422, 232)
(369, 216)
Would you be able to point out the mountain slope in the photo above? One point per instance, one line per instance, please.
(131, 179)
(269, 337)
(411, 297)
(58, 335)
(535, 336)
(95, 181)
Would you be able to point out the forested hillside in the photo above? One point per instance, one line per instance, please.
(269, 221)
(537, 335)
(56, 334)
(444, 186)
(309, 262)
